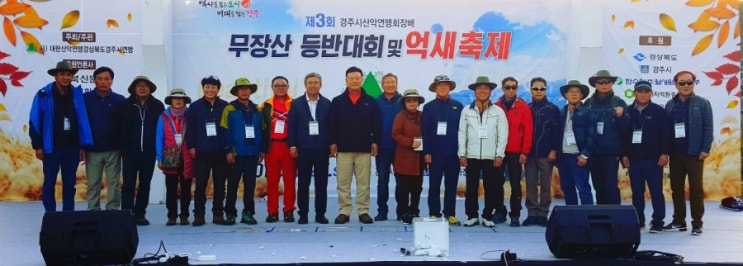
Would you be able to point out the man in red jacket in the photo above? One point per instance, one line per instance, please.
(520, 131)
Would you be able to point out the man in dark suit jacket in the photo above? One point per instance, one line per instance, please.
(308, 143)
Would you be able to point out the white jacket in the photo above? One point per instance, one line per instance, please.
(470, 143)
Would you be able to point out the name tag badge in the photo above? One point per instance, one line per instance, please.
(441, 129)
(314, 128)
(637, 136)
(249, 132)
(211, 129)
(178, 138)
(600, 128)
(482, 132)
(570, 137)
(679, 130)
(279, 129)
(66, 124)
(418, 140)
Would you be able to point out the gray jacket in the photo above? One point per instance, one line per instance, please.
(700, 123)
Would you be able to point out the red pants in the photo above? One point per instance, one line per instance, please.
(278, 162)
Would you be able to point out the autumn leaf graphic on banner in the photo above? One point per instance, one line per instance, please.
(715, 18)
(18, 16)
(10, 72)
(112, 23)
(70, 19)
(667, 22)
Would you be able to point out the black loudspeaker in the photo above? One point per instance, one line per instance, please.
(88, 237)
(593, 231)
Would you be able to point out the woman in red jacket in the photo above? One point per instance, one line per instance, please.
(408, 165)
(172, 158)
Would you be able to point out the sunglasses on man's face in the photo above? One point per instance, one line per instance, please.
(508, 88)
(685, 83)
(603, 82)
(539, 89)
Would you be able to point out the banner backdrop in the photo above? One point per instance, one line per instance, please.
(463, 39)
(36, 35)
(654, 40)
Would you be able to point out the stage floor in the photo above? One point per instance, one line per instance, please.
(281, 242)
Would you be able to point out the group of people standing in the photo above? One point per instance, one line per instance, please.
(225, 141)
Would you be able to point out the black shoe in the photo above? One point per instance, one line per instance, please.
(230, 219)
(140, 220)
(380, 217)
(696, 231)
(321, 219)
(675, 227)
(542, 221)
(289, 217)
(531, 220)
(341, 219)
(365, 218)
(272, 218)
(407, 218)
(248, 218)
(302, 219)
(515, 222)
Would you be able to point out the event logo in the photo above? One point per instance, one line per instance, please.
(644, 69)
(639, 57)
(246, 3)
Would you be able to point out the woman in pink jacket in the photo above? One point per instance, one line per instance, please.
(172, 158)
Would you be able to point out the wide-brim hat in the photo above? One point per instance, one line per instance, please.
(177, 93)
(602, 74)
(62, 66)
(411, 93)
(243, 83)
(482, 80)
(137, 79)
(439, 79)
(574, 83)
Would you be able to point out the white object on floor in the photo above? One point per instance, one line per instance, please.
(431, 237)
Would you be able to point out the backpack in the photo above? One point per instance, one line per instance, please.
(732, 203)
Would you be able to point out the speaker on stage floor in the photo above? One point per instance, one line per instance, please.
(593, 231)
(88, 237)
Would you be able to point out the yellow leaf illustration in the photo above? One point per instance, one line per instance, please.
(2, 108)
(726, 130)
(729, 120)
(667, 22)
(702, 44)
(30, 40)
(121, 51)
(734, 4)
(629, 24)
(736, 32)
(13, 8)
(25, 128)
(9, 31)
(635, 1)
(70, 19)
(704, 25)
(723, 34)
(4, 117)
(129, 16)
(720, 12)
(621, 50)
(732, 104)
(74, 43)
(31, 19)
(698, 3)
(613, 17)
(112, 23)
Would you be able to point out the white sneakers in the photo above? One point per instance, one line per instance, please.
(471, 222)
(488, 223)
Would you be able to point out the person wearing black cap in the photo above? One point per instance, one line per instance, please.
(59, 132)
(139, 115)
(204, 140)
(647, 147)
(578, 138)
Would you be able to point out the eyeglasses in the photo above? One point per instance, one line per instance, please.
(685, 83)
(508, 88)
(539, 89)
(604, 82)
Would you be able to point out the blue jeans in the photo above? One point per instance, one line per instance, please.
(308, 160)
(440, 166)
(604, 171)
(67, 159)
(574, 177)
(384, 160)
(137, 165)
(648, 171)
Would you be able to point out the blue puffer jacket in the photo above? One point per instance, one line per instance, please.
(234, 119)
(584, 128)
(610, 142)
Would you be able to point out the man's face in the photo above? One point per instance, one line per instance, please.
(63, 78)
(538, 91)
(574, 95)
(243, 93)
(103, 81)
(509, 89)
(313, 85)
(685, 84)
(389, 85)
(482, 92)
(210, 91)
(442, 89)
(643, 96)
(353, 81)
(142, 89)
(280, 87)
(177, 103)
(603, 85)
